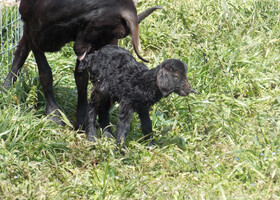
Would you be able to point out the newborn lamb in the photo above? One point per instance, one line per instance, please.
(118, 77)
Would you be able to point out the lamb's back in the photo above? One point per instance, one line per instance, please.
(116, 72)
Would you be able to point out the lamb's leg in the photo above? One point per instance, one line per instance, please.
(146, 124)
(104, 119)
(20, 56)
(46, 79)
(81, 79)
(123, 127)
(90, 119)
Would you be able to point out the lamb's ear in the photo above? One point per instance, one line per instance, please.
(164, 81)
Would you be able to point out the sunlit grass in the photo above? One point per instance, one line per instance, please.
(220, 144)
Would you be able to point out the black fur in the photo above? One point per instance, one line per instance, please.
(91, 24)
(116, 76)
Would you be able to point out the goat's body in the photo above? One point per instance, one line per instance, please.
(91, 24)
(49, 25)
(117, 76)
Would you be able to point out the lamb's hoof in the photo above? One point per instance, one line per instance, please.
(80, 128)
(122, 149)
(109, 135)
(91, 138)
(57, 120)
(80, 131)
(80, 125)
(151, 143)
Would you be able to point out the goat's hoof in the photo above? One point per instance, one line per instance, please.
(56, 116)
(6, 86)
(3, 89)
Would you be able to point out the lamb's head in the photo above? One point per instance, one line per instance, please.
(172, 77)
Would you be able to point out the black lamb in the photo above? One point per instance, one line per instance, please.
(117, 77)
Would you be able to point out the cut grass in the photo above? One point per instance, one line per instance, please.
(220, 144)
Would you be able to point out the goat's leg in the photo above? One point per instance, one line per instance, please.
(46, 80)
(146, 123)
(104, 118)
(81, 79)
(90, 119)
(20, 56)
(123, 127)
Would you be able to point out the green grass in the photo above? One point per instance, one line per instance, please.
(220, 144)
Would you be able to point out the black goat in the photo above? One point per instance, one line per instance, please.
(116, 76)
(92, 24)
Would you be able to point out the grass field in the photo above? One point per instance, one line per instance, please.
(220, 144)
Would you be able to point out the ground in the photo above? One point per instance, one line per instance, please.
(220, 144)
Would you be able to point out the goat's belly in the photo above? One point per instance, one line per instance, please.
(50, 45)
(53, 39)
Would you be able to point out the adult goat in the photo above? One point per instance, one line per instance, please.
(91, 24)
